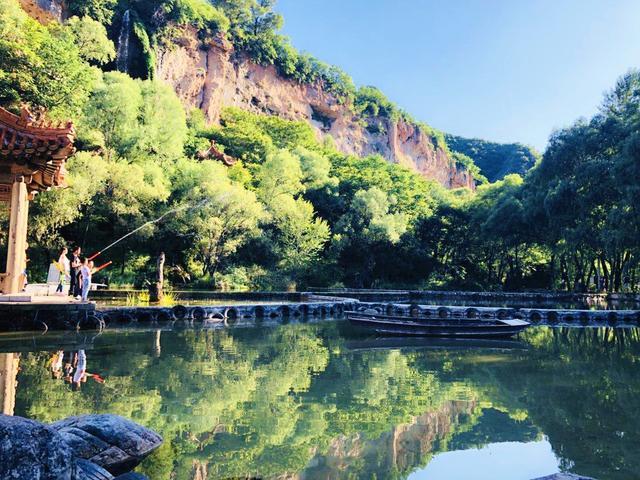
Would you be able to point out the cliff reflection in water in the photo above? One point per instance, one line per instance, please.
(311, 401)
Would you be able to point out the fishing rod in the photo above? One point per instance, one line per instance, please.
(102, 267)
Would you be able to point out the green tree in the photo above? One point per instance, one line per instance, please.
(221, 215)
(279, 176)
(41, 65)
(113, 111)
(91, 39)
(162, 127)
(100, 10)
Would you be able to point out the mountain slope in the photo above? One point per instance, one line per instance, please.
(222, 53)
(212, 74)
(495, 160)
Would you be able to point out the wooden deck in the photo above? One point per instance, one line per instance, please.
(30, 312)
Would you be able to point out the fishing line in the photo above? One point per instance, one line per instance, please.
(161, 217)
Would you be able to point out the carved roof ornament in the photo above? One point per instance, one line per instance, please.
(213, 152)
(35, 148)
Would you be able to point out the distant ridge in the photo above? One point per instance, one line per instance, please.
(495, 160)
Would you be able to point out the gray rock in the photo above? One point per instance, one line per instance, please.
(90, 471)
(31, 450)
(83, 444)
(112, 442)
(564, 476)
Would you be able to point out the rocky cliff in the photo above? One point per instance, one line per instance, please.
(44, 10)
(401, 449)
(211, 76)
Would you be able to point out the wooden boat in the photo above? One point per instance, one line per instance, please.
(427, 327)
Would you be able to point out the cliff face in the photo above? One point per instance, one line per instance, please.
(44, 10)
(401, 449)
(212, 76)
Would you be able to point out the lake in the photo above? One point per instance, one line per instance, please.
(322, 401)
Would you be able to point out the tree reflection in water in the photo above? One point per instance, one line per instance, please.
(307, 401)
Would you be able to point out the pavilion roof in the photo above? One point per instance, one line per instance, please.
(34, 149)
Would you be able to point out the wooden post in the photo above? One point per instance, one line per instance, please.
(16, 255)
(156, 289)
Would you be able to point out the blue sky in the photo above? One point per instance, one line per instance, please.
(495, 69)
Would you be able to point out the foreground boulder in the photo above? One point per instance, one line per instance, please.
(89, 447)
(114, 443)
(86, 470)
(564, 476)
(30, 449)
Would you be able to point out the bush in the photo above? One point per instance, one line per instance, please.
(199, 13)
(100, 10)
(370, 101)
(41, 65)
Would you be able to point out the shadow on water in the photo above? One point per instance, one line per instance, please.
(317, 400)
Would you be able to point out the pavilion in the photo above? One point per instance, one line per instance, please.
(33, 153)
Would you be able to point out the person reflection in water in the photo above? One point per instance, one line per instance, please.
(68, 367)
(80, 375)
(56, 365)
(77, 374)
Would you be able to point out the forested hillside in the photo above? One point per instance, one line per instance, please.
(495, 160)
(285, 209)
(229, 54)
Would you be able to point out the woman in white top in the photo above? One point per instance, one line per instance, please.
(64, 267)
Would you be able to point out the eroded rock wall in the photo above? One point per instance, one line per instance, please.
(212, 76)
(44, 10)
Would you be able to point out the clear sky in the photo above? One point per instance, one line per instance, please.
(503, 70)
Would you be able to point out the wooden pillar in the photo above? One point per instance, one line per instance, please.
(8, 382)
(16, 254)
(156, 290)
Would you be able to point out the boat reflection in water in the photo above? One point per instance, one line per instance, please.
(319, 401)
(425, 327)
(446, 343)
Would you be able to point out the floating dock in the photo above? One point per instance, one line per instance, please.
(29, 312)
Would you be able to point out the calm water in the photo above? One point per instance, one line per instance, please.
(317, 401)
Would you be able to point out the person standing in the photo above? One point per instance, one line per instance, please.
(85, 279)
(64, 266)
(24, 277)
(76, 263)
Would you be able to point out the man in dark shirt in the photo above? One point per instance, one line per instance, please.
(76, 263)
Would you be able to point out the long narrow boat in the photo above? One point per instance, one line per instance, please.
(426, 327)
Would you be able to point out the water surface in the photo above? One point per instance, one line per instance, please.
(319, 401)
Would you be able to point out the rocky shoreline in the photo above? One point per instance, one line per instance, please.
(87, 447)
